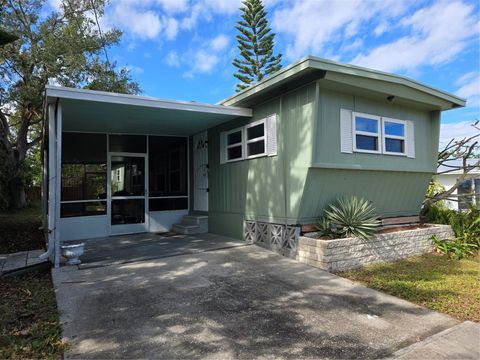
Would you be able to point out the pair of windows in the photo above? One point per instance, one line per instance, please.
(376, 134)
(250, 141)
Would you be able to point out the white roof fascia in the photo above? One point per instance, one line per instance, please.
(135, 100)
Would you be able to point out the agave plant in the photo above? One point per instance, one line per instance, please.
(324, 227)
(352, 217)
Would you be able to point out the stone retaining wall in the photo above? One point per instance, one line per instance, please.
(344, 254)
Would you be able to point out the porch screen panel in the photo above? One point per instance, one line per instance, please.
(84, 174)
(127, 143)
(168, 176)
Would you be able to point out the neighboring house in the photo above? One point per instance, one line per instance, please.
(275, 153)
(467, 194)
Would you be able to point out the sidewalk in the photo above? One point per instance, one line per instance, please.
(19, 259)
(461, 341)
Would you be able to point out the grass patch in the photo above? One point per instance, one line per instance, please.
(436, 282)
(29, 324)
(19, 230)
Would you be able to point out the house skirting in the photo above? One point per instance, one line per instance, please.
(349, 253)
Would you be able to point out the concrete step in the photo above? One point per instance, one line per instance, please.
(201, 220)
(188, 229)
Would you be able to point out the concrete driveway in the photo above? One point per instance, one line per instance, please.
(240, 302)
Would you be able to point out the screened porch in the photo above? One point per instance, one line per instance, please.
(121, 164)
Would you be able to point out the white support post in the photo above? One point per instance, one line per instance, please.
(58, 178)
(51, 179)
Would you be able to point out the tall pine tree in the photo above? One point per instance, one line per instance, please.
(255, 43)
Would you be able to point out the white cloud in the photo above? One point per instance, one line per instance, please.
(172, 59)
(171, 6)
(204, 9)
(142, 23)
(151, 19)
(135, 69)
(470, 88)
(457, 131)
(171, 27)
(219, 42)
(204, 61)
(207, 56)
(436, 35)
(312, 26)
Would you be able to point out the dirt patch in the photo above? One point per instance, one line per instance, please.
(403, 228)
(382, 231)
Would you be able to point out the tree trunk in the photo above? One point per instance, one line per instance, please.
(17, 189)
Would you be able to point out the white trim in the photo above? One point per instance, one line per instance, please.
(51, 220)
(127, 228)
(410, 141)
(81, 201)
(134, 100)
(241, 144)
(346, 133)
(245, 142)
(380, 135)
(377, 135)
(257, 139)
(58, 183)
(271, 146)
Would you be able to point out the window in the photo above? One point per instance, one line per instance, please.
(250, 141)
(235, 144)
(366, 133)
(394, 136)
(255, 139)
(465, 195)
(375, 134)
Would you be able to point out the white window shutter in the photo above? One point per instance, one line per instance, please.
(346, 131)
(271, 130)
(223, 148)
(410, 139)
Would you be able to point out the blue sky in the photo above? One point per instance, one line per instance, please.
(183, 49)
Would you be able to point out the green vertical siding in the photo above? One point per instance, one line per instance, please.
(310, 171)
(392, 193)
(258, 188)
(327, 145)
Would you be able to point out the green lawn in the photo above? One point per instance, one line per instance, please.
(436, 282)
(19, 230)
(29, 324)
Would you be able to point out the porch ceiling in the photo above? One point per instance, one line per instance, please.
(95, 111)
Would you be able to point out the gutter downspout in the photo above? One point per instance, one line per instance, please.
(52, 109)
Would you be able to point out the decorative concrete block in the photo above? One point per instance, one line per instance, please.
(349, 253)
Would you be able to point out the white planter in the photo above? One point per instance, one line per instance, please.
(73, 252)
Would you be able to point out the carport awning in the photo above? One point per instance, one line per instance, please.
(98, 111)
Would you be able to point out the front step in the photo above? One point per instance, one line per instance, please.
(192, 224)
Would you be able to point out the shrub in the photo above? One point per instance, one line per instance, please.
(465, 224)
(349, 217)
(457, 249)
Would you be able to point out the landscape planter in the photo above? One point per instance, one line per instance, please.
(73, 252)
(349, 253)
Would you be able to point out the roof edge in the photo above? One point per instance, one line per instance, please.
(349, 69)
(136, 100)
